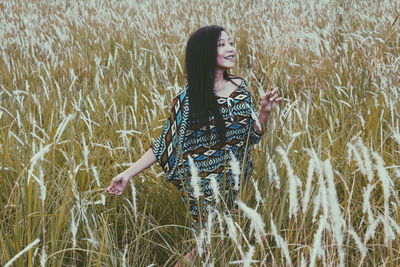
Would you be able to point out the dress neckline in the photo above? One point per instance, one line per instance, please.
(236, 89)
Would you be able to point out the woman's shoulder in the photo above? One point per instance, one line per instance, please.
(236, 78)
(181, 93)
(180, 99)
(239, 81)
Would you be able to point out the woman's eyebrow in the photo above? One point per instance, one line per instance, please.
(224, 39)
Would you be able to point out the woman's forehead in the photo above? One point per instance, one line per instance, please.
(224, 36)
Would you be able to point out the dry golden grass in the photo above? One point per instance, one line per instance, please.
(85, 86)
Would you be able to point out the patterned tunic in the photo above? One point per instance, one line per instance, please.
(180, 139)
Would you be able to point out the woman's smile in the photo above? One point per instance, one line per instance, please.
(230, 57)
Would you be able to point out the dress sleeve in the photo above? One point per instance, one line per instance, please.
(254, 136)
(163, 143)
(165, 146)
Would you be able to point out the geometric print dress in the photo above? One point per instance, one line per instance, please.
(181, 140)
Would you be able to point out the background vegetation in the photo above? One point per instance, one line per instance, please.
(86, 85)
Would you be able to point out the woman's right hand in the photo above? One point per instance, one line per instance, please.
(118, 184)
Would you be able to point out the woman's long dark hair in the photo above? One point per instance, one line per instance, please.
(200, 66)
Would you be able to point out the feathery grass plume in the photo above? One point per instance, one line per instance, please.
(307, 192)
(397, 172)
(281, 243)
(294, 182)
(85, 151)
(259, 198)
(232, 233)
(255, 118)
(96, 175)
(42, 186)
(257, 224)
(242, 235)
(367, 160)
(367, 204)
(210, 218)
(235, 166)
(303, 261)
(43, 257)
(248, 259)
(200, 238)
(317, 204)
(40, 180)
(34, 254)
(38, 156)
(62, 126)
(363, 160)
(195, 180)
(387, 185)
(19, 254)
(293, 138)
(395, 226)
(220, 222)
(73, 227)
(273, 174)
(215, 188)
(134, 206)
(370, 232)
(10, 133)
(124, 259)
(74, 188)
(383, 175)
(338, 222)
(353, 152)
(358, 242)
(396, 135)
(101, 201)
(317, 248)
(322, 192)
(231, 228)
(83, 213)
(389, 233)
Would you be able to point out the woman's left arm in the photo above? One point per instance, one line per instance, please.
(268, 102)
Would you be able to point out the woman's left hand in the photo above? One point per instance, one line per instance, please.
(270, 100)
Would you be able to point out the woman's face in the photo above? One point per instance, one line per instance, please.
(226, 52)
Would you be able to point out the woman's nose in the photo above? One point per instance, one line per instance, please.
(231, 47)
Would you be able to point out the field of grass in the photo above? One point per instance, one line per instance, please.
(86, 85)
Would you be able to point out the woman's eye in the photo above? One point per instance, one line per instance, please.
(223, 44)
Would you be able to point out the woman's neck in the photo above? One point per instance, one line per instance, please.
(219, 80)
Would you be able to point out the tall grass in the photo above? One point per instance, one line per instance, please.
(86, 85)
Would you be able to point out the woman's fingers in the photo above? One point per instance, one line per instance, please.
(115, 192)
(271, 91)
(271, 94)
(274, 97)
(270, 98)
(117, 186)
(113, 188)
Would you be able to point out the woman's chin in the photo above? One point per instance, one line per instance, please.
(226, 67)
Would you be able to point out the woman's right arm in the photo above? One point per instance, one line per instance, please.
(143, 163)
(119, 182)
(157, 152)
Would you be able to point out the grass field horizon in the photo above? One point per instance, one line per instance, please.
(85, 87)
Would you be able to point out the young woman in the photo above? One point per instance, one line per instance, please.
(212, 122)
